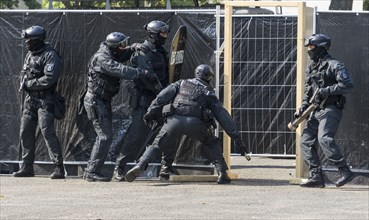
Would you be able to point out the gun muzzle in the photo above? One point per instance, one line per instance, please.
(247, 157)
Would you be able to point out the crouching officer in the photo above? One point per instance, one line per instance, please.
(105, 73)
(188, 104)
(40, 74)
(332, 80)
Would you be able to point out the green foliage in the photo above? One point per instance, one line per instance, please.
(9, 4)
(366, 5)
(32, 4)
(101, 4)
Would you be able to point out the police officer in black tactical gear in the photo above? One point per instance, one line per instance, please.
(331, 80)
(105, 73)
(39, 77)
(189, 106)
(150, 56)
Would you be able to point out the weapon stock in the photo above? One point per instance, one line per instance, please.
(293, 125)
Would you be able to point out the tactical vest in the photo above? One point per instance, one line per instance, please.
(34, 69)
(100, 84)
(159, 63)
(319, 78)
(191, 98)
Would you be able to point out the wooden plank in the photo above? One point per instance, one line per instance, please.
(193, 178)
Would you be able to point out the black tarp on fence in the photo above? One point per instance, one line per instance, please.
(350, 45)
(264, 74)
(76, 36)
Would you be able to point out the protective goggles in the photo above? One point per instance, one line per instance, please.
(307, 42)
(164, 29)
(25, 35)
(124, 43)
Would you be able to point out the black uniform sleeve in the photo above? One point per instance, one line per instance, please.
(344, 80)
(113, 68)
(224, 118)
(52, 70)
(164, 97)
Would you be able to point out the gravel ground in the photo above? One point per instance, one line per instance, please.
(262, 191)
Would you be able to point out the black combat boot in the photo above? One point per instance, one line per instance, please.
(223, 178)
(315, 180)
(92, 177)
(165, 172)
(59, 172)
(221, 167)
(135, 172)
(118, 174)
(25, 171)
(346, 176)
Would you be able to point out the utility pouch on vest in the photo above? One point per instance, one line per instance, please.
(168, 110)
(208, 117)
(60, 108)
(340, 104)
(91, 110)
(133, 101)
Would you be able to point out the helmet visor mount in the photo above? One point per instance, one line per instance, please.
(307, 42)
(164, 29)
(124, 44)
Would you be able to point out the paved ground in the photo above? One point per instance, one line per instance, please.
(261, 192)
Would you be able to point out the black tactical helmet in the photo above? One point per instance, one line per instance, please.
(204, 72)
(318, 40)
(117, 39)
(156, 27)
(34, 33)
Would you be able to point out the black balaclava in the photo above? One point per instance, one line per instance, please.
(121, 55)
(157, 40)
(160, 41)
(317, 53)
(34, 45)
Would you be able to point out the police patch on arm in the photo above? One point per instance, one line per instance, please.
(49, 67)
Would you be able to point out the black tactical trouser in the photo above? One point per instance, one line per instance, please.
(173, 129)
(321, 128)
(39, 111)
(133, 143)
(100, 113)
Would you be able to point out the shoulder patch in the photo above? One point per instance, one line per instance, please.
(342, 74)
(49, 67)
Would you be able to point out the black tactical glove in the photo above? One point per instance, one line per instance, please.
(150, 76)
(148, 118)
(240, 146)
(135, 46)
(324, 93)
(298, 113)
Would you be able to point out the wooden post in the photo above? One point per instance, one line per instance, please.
(305, 27)
(228, 79)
